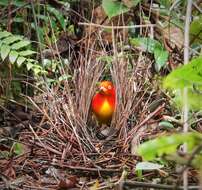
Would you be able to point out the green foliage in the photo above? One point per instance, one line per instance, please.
(196, 31)
(187, 76)
(165, 3)
(197, 162)
(5, 49)
(58, 16)
(114, 8)
(11, 46)
(168, 145)
(166, 125)
(147, 166)
(49, 18)
(15, 61)
(153, 47)
(18, 148)
(17, 3)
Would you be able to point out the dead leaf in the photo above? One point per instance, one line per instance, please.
(10, 172)
(67, 183)
(95, 186)
(174, 35)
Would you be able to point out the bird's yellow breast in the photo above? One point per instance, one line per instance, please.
(106, 109)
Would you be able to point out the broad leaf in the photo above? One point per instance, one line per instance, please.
(5, 49)
(161, 57)
(32, 60)
(29, 65)
(19, 3)
(168, 145)
(11, 39)
(194, 98)
(20, 44)
(13, 56)
(154, 47)
(166, 3)
(18, 148)
(148, 166)
(58, 15)
(196, 31)
(20, 60)
(166, 124)
(4, 34)
(26, 52)
(145, 44)
(113, 8)
(4, 2)
(187, 76)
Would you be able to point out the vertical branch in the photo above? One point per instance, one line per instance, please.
(185, 91)
(37, 32)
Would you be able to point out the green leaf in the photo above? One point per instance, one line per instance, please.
(5, 49)
(166, 3)
(64, 77)
(18, 19)
(167, 145)
(4, 2)
(197, 161)
(166, 124)
(161, 57)
(32, 60)
(71, 29)
(29, 65)
(11, 39)
(42, 17)
(194, 98)
(145, 44)
(196, 31)
(20, 44)
(19, 3)
(18, 148)
(4, 34)
(154, 47)
(185, 76)
(147, 166)
(20, 60)
(37, 70)
(26, 52)
(114, 8)
(13, 56)
(58, 15)
(39, 30)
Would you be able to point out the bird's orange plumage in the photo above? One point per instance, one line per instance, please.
(103, 102)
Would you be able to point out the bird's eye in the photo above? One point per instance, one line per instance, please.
(109, 87)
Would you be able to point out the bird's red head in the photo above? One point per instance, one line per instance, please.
(106, 88)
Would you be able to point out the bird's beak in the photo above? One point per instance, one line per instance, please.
(102, 89)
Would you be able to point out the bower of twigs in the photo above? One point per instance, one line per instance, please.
(62, 148)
